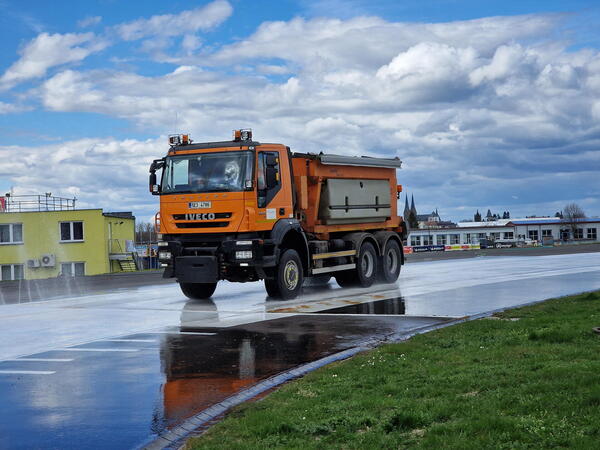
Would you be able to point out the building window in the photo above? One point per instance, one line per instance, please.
(441, 239)
(509, 235)
(11, 233)
(591, 233)
(415, 240)
(71, 232)
(454, 239)
(578, 234)
(11, 272)
(427, 240)
(72, 269)
(546, 233)
(494, 236)
(471, 238)
(533, 235)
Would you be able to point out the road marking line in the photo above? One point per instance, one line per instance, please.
(131, 340)
(182, 332)
(99, 349)
(27, 372)
(42, 359)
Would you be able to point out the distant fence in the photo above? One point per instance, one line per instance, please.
(439, 248)
(45, 202)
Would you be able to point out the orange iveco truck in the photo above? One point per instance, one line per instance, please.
(243, 210)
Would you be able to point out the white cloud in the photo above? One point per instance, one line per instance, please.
(186, 22)
(89, 21)
(102, 173)
(47, 51)
(477, 110)
(370, 42)
(7, 108)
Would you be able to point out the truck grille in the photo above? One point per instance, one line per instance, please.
(202, 224)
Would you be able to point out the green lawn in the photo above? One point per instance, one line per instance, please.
(506, 383)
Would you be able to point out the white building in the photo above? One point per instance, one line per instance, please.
(547, 230)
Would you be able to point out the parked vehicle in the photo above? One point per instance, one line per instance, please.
(504, 244)
(242, 210)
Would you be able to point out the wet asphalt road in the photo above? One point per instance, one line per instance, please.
(113, 370)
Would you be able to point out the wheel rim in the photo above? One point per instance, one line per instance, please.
(392, 261)
(290, 275)
(367, 264)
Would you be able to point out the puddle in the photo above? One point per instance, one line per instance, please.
(389, 306)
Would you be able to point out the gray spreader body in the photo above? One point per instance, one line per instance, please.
(354, 201)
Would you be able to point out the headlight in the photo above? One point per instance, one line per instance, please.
(244, 254)
(163, 244)
(243, 243)
(164, 255)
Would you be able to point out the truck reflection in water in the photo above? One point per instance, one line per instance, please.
(201, 370)
(389, 306)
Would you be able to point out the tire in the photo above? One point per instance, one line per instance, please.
(198, 291)
(391, 262)
(346, 279)
(288, 277)
(365, 273)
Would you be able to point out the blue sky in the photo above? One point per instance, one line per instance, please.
(489, 104)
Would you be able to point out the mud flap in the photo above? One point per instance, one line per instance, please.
(196, 269)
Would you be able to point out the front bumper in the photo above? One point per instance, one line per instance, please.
(208, 262)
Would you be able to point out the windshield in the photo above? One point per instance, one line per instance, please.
(208, 172)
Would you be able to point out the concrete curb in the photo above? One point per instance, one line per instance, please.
(174, 438)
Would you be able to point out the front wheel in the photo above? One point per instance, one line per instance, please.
(288, 277)
(198, 291)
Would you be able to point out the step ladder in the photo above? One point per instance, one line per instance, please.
(127, 265)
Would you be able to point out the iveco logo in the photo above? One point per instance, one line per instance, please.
(200, 216)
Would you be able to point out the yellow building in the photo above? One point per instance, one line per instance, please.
(62, 241)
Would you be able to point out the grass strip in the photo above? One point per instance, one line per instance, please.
(526, 378)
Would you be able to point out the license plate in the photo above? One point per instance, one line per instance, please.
(199, 205)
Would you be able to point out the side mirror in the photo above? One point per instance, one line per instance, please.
(154, 188)
(271, 177)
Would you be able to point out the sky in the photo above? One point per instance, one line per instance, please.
(490, 105)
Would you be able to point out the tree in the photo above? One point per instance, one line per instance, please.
(571, 213)
(413, 223)
(145, 233)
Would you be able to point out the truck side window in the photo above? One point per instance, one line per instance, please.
(269, 179)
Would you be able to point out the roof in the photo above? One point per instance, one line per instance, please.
(492, 223)
(119, 214)
(205, 145)
(553, 221)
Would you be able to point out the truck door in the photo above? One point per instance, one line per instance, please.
(273, 189)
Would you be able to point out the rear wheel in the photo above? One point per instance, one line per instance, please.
(198, 291)
(288, 277)
(391, 262)
(366, 268)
